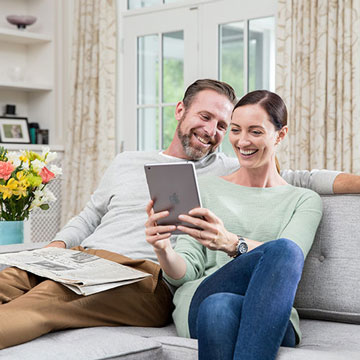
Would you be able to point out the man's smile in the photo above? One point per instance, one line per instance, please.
(202, 140)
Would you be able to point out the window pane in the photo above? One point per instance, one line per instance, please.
(173, 66)
(148, 129)
(148, 69)
(262, 54)
(169, 125)
(231, 55)
(137, 4)
(226, 146)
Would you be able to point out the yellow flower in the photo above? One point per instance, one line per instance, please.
(8, 190)
(21, 185)
(23, 158)
(22, 179)
(20, 191)
(31, 156)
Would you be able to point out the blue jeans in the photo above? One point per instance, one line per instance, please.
(242, 311)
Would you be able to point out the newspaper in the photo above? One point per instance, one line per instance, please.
(83, 273)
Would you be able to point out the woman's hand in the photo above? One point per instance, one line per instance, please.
(157, 236)
(214, 234)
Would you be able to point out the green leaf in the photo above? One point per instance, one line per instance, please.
(3, 153)
(44, 207)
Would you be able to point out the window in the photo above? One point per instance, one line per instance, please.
(247, 58)
(169, 47)
(160, 77)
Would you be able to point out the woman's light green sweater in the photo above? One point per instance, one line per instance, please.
(261, 214)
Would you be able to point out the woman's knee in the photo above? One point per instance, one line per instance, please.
(220, 306)
(286, 255)
(287, 249)
(221, 311)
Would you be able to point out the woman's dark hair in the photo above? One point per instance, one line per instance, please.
(270, 102)
(220, 87)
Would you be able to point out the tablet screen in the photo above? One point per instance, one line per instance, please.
(173, 187)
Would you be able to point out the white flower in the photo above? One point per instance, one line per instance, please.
(48, 196)
(47, 155)
(55, 170)
(51, 156)
(38, 200)
(37, 165)
(45, 150)
(42, 197)
(14, 158)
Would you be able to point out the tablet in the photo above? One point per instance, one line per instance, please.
(173, 187)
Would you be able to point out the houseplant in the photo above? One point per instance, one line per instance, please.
(24, 176)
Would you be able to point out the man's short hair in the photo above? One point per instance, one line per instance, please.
(220, 87)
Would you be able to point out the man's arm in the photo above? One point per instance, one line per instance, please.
(346, 184)
(84, 224)
(321, 181)
(324, 182)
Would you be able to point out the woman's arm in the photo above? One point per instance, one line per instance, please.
(214, 235)
(303, 225)
(159, 237)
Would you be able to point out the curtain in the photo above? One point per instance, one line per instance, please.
(318, 76)
(90, 133)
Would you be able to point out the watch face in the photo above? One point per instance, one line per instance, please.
(243, 248)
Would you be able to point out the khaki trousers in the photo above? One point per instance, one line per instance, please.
(31, 306)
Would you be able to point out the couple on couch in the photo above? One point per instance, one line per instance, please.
(244, 265)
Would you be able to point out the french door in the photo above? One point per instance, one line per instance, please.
(167, 48)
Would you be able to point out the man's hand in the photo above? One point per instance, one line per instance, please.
(57, 243)
(347, 184)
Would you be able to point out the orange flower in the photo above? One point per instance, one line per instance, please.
(6, 168)
(46, 175)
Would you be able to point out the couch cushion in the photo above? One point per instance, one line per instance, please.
(329, 288)
(328, 335)
(86, 344)
(178, 348)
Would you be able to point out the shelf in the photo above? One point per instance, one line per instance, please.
(32, 147)
(23, 37)
(24, 86)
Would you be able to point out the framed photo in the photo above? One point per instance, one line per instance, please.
(14, 130)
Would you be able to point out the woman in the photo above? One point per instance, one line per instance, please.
(238, 276)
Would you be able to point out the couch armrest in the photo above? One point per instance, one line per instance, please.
(5, 249)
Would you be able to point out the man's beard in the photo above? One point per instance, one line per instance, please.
(194, 153)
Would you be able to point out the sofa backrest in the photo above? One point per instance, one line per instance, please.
(330, 285)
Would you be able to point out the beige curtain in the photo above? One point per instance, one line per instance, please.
(90, 134)
(318, 75)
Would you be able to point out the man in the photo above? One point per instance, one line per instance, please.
(112, 226)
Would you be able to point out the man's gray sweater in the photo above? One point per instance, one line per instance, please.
(114, 218)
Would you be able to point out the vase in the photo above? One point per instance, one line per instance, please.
(11, 232)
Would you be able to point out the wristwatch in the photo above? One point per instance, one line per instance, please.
(241, 247)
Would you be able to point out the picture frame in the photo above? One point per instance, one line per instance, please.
(14, 130)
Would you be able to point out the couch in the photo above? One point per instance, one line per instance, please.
(328, 301)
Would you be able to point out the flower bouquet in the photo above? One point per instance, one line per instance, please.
(23, 179)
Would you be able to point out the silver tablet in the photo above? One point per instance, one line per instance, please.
(173, 187)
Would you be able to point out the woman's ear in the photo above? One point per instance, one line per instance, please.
(281, 134)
